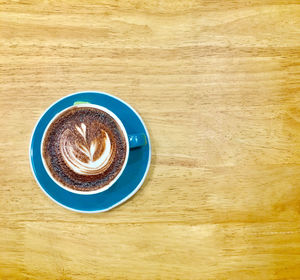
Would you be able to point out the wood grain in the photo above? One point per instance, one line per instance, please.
(217, 83)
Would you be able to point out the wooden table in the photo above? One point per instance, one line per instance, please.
(217, 83)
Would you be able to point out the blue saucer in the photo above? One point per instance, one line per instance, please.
(131, 179)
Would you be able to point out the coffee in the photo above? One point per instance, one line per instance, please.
(84, 148)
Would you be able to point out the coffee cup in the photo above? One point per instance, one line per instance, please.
(85, 148)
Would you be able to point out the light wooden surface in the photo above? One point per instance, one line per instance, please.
(217, 83)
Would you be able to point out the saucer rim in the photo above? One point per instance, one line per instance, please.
(126, 197)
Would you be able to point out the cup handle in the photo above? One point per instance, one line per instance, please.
(137, 140)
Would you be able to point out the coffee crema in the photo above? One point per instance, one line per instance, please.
(84, 148)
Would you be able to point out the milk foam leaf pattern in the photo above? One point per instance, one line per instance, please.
(79, 155)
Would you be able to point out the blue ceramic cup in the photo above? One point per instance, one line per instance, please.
(135, 169)
(132, 141)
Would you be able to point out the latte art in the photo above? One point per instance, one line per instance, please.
(84, 158)
(84, 149)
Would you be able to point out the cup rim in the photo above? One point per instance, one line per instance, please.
(113, 115)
